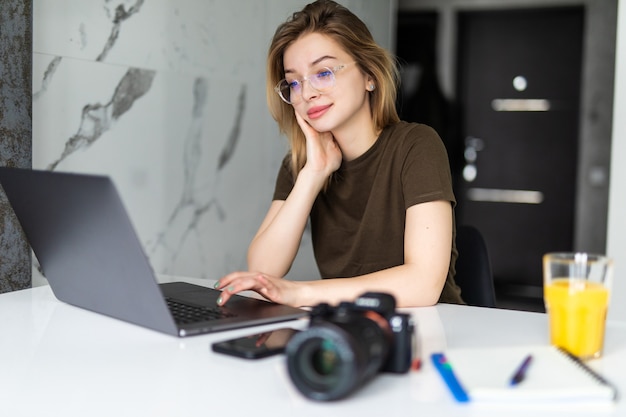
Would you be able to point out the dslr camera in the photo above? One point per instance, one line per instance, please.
(345, 346)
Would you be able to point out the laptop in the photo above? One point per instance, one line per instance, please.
(92, 258)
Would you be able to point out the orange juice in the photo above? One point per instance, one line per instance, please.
(577, 311)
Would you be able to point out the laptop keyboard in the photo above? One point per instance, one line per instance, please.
(186, 313)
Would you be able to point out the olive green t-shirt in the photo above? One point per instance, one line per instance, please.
(357, 224)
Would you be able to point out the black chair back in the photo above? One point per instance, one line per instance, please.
(473, 268)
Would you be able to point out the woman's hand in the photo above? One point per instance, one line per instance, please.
(323, 155)
(275, 289)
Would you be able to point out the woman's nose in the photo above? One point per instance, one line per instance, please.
(308, 92)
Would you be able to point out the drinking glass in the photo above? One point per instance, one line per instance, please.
(576, 295)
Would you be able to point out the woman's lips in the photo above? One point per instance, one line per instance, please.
(317, 111)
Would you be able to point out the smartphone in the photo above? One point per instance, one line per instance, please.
(255, 346)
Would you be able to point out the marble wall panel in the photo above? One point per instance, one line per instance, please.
(168, 98)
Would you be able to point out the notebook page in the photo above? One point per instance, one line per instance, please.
(485, 373)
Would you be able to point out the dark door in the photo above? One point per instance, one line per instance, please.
(519, 74)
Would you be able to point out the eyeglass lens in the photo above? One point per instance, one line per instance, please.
(322, 81)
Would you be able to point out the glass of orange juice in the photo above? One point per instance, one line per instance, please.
(576, 294)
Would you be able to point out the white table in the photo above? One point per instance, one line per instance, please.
(58, 360)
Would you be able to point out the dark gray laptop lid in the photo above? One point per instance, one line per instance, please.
(89, 252)
(87, 247)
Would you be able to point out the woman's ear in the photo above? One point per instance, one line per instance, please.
(369, 84)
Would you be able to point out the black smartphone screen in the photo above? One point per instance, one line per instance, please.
(256, 346)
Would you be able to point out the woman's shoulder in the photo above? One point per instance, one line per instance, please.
(405, 135)
(411, 130)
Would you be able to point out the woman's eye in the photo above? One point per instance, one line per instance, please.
(293, 84)
(325, 73)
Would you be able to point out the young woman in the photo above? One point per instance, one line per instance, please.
(377, 190)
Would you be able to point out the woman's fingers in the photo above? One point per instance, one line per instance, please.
(243, 281)
(323, 153)
(274, 289)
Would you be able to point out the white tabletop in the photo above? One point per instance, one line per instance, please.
(58, 360)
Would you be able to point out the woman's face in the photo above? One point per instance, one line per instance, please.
(347, 102)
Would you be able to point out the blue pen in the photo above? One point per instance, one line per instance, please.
(446, 372)
(520, 373)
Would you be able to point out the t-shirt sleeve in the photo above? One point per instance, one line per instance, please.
(426, 169)
(284, 180)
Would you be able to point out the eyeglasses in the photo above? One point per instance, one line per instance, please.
(322, 81)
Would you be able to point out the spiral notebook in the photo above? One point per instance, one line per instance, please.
(483, 375)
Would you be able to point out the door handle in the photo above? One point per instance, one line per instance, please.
(495, 195)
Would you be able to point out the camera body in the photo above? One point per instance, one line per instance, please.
(400, 325)
(346, 345)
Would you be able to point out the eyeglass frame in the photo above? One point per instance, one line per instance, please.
(301, 81)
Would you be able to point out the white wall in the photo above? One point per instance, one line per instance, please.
(616, 239)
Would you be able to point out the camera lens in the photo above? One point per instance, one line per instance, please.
(319, 363)
(325, 359)
(331, 359)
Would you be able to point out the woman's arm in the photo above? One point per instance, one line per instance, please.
(274, 247)
(276, 244)
(418, 282)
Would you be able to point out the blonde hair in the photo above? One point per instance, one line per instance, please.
(340, 24)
